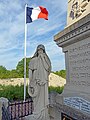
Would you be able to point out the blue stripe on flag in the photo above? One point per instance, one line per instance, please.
(28, 15)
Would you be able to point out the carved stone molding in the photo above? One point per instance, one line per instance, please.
(78, 30)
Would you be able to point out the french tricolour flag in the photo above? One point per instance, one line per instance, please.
(35, 13)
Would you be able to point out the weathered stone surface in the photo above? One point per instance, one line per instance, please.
(77, 9)
(56, 108)
(5, 102)
(39, 70)
(77, 57)
(75, 42)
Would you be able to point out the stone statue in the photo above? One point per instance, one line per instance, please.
(39, 70)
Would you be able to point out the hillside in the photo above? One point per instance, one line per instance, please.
(54, 80)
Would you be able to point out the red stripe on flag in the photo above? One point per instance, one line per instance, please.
(43, 13)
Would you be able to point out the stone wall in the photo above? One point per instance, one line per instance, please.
(57, 107)
(75, 42)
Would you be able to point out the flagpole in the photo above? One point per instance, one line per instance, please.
(25, 55)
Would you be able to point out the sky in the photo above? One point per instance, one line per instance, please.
(12, 27)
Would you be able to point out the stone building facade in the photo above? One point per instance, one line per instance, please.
(75, 43)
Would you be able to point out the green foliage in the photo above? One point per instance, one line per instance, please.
(19, 71)
(13, 92)
(20, 67)
(56, 89)
(61, 73)
(3, 72)
(15, 73)
(2, 69)
(17, 92)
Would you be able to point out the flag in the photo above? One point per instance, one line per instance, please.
(36, 13)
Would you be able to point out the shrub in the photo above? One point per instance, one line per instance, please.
(56, 89)
(17, 92)
(13, 92)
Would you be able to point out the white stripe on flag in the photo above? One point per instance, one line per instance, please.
(35, 13)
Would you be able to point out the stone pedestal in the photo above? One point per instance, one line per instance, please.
(43, 115)
(75, 42)
(58, 110)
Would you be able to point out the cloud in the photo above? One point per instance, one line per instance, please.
(39, 32)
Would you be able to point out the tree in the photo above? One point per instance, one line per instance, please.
(16, 73)
(20, 67)
(61, 73)
(13, 74)
(3, 71)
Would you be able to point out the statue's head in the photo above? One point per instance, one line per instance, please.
(41, 47)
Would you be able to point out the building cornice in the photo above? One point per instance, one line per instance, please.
(71, 34)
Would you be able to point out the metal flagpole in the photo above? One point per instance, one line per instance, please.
(25, 55)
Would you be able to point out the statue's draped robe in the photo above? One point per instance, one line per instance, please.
(39, 70)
